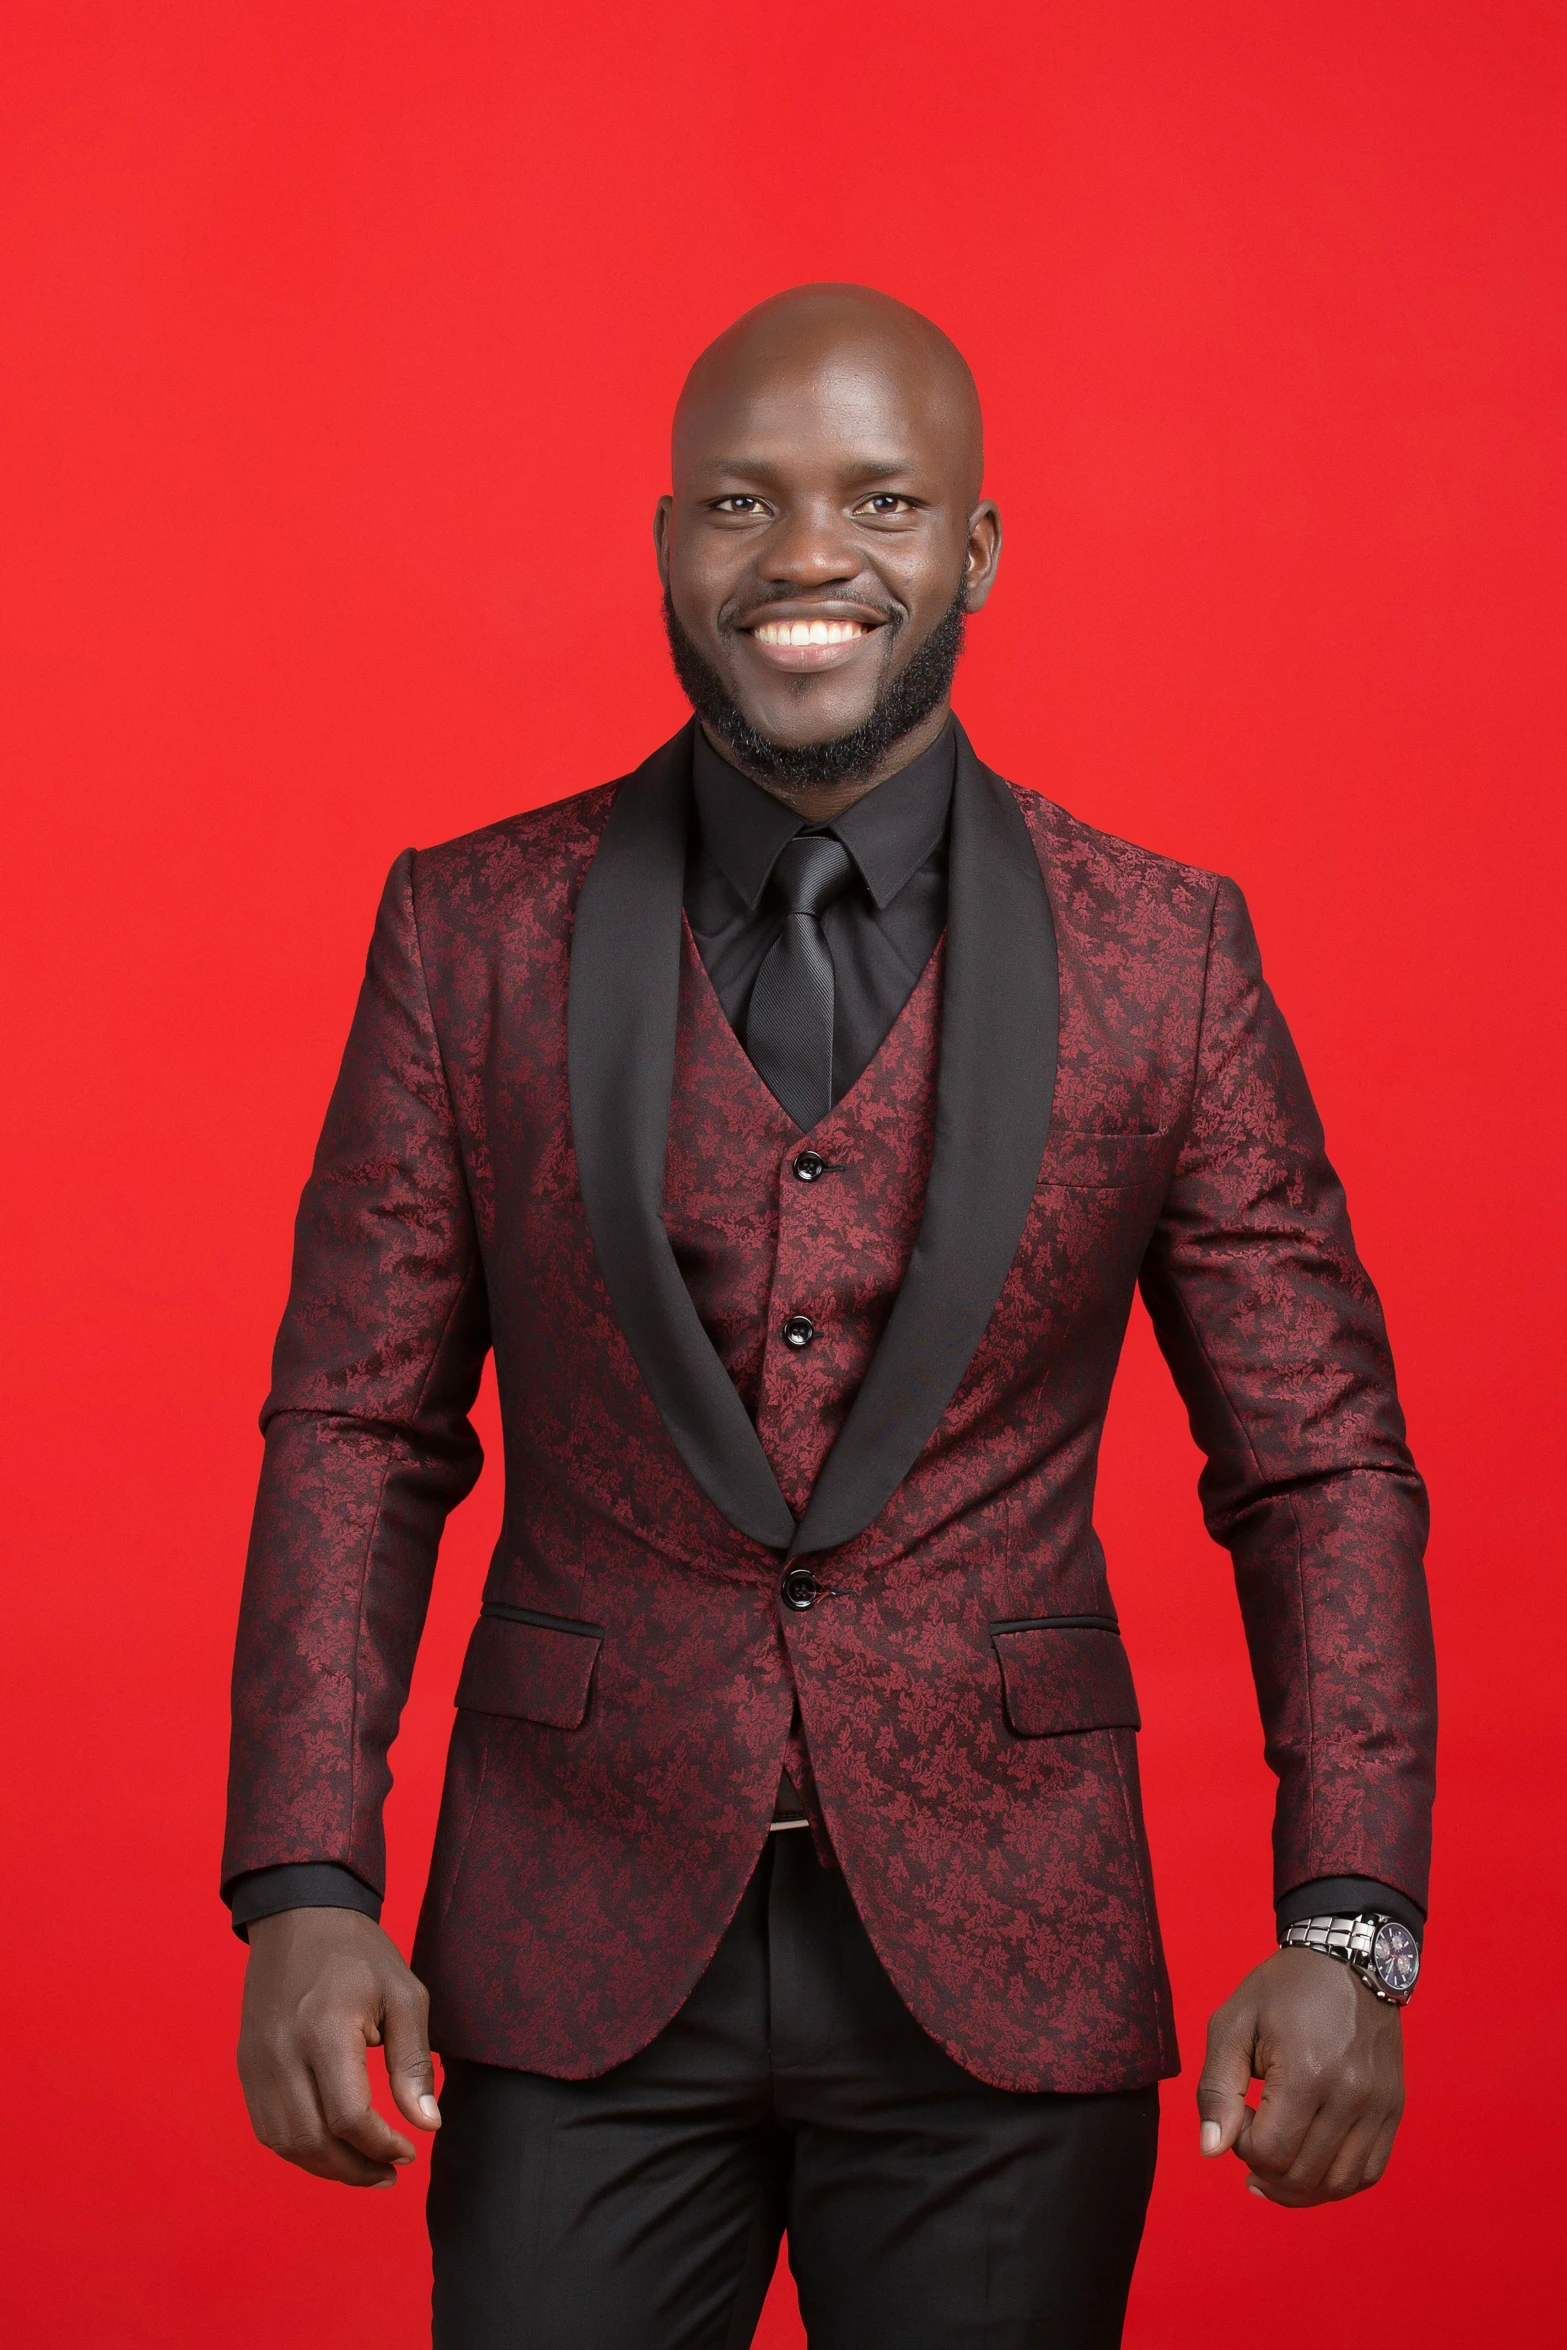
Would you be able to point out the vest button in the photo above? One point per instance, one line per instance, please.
(799, 1589)
(809, 1166)
(799, 1330)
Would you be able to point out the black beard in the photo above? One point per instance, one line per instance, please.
(921, 686)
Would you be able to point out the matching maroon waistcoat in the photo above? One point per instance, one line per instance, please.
(794, 1255)
(759, 1246)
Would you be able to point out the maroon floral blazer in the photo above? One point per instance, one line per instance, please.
(542, 1142)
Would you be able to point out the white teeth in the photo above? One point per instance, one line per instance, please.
(808, 632)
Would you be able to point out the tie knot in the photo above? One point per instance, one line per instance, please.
(811, 871)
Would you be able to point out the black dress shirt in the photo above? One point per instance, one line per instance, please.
(882, 930)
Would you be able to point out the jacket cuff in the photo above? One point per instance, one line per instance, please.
(1344, 1897)
(316, 1884)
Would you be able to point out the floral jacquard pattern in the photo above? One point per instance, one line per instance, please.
(585, 1869)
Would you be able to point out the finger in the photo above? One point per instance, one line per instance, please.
(1346, 2174)
(1279, 2191)
(342, 2084)
(1226, 2077)
(1377, 2160)
(1266, 2192)
(332, 2158)
(1329, 2165)
(405, 2029)
(1321, 2150)
(1270, 2139)
(298, 2131)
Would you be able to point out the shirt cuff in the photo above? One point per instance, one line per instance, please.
(314, 1884)
(1346, 1897)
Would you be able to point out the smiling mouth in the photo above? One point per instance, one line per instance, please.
(809, 632)
(810, 644)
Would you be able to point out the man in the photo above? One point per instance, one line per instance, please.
(795, 1119)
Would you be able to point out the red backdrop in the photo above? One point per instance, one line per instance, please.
(339, 344)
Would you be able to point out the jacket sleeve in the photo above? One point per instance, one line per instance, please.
(368, 1441)
(1276, 1341)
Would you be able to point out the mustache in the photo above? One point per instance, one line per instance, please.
(892, 615)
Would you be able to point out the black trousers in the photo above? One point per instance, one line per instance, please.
(925, 2210)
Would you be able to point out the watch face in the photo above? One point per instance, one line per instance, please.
(1395, 1955)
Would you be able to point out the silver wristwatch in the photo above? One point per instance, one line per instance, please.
(1384, 1954)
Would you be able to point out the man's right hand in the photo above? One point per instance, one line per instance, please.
(322, 1986)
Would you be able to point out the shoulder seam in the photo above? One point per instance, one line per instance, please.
(522, 818)
(1063, 819)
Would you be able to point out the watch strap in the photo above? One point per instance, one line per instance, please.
(1349, 1939)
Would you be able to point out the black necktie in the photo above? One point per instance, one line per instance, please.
(788, 1031)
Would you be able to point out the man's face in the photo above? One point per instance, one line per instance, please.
(818, 532)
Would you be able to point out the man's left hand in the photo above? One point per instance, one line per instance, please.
(1330, 2057)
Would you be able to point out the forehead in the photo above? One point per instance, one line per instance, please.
(848, 409)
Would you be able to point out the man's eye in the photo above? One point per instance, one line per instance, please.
(885, 502)
(738, 504)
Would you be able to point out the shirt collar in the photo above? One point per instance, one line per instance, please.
(889, 833)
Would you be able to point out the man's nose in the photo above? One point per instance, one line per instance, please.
(809, 546)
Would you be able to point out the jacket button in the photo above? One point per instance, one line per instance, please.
(809, 1165)
(799, 1330)
(799, 1589)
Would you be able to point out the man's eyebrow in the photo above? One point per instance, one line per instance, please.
(760, 469)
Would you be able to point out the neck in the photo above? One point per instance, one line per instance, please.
(819, 803)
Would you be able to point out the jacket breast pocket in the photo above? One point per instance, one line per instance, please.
(1064, 1673)
(534, 1668)
(1104, 1162)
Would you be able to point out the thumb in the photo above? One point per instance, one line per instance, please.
(1226, 2077)
(408, 2068)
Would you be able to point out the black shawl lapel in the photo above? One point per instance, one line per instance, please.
(999, 1017)
(622, 1010)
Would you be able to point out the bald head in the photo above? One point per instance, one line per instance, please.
(824, 539)
(824, 343)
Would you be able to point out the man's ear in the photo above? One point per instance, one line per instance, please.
(661, 517)
(982, 555)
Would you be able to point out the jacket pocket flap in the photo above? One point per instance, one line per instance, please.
(1059, 1677)
(1103, 1162)
(536, 1672)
